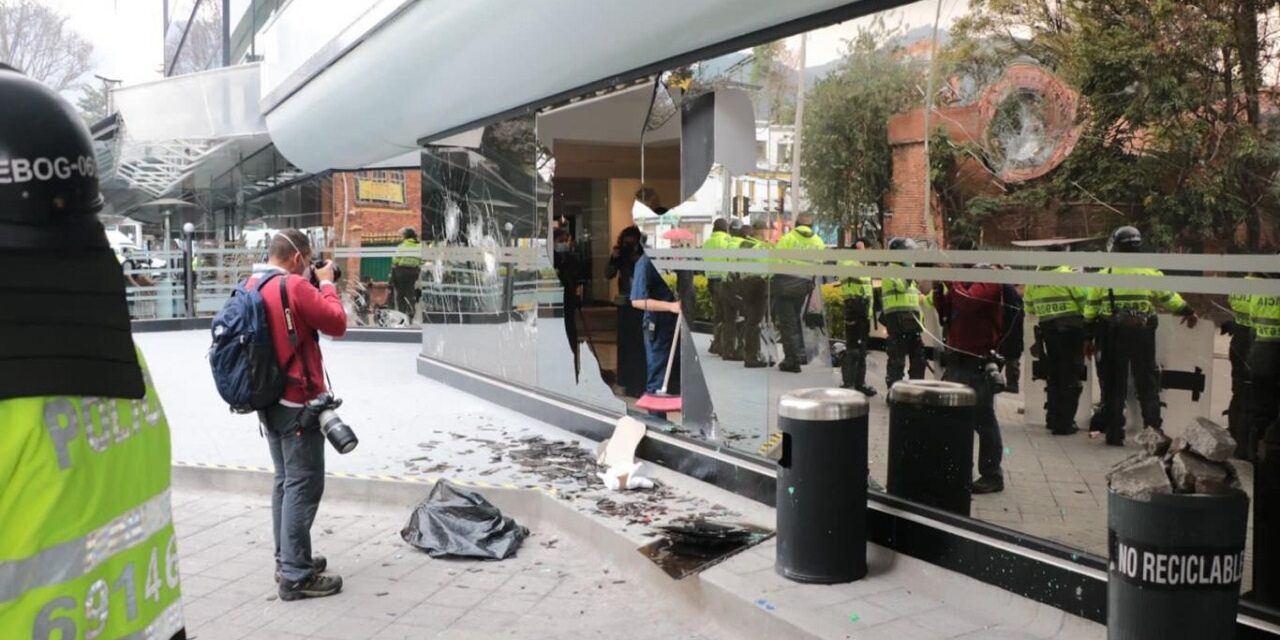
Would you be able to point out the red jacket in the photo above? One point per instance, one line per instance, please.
(314, 310)
(974, 315)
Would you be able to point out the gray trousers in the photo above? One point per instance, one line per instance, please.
(298, 456)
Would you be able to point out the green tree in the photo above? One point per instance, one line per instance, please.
(1175, 136)
(776, 97)
(848, 163)
(92, 102)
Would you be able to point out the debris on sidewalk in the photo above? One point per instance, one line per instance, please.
(617, 457)
(454, 522)
(695, 546)
(1194, 463)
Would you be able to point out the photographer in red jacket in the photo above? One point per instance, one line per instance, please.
(297, 450)
(973, 313)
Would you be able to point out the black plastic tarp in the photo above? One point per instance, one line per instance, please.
(456, 523)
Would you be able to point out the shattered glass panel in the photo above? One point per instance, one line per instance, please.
(480, 279)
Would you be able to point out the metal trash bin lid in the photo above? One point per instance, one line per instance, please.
(933, 393)
(822, 404)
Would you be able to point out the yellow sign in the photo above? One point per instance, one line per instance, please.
(380, 191)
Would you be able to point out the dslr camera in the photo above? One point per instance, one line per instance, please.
(323, 412)
(315, 282)
(993, 371)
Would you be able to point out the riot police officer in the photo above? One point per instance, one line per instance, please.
(788, 294)
(84, 505)
(752, 300)
(724, 337)
(1059, 343)
(1124, 322)
(1264, 444)
(406, 267)
(900, 315)
(859, 301)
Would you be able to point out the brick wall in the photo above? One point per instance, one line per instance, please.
(376, 219)
(906, 136)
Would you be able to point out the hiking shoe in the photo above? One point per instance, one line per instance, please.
(318, 565)
(317, 586)
(987, 485)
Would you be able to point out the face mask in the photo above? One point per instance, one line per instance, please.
(562, 247)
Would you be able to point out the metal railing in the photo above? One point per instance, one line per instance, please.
(452, 282)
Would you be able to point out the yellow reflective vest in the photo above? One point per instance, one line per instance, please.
(1143, 302)
(1242, 306)
(408, 254)
(717, 240)
(1264, 316)
(855, 286)
(898, 295)
(87, 548)
(1047, 302)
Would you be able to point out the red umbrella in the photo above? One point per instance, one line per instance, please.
(678, 234)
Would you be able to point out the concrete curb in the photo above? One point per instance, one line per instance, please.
(533, 506)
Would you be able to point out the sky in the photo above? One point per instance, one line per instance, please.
(126, 35)
(827, 44)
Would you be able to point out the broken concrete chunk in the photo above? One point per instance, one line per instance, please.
(1210, 440)
(1154, 441)
(1141, 479)
(1190, 471)
(1217, 488)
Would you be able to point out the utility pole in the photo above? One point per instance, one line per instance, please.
(226, 33)
(930, 232)
(107, 85)
(799, 125)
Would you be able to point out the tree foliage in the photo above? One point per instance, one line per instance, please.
(1179, 130)
(848, 163)
(93, 102)
(36, 40)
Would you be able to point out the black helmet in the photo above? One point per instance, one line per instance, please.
(906, 244)
(54, 257)
(1125, 239)
(408, 233)
(48, 176)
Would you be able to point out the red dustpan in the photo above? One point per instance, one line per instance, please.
(660, 400)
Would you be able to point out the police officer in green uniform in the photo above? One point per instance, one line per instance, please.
(1059, 310)
(1124, 321)
(859, 300)
(87, 547)
(724, 337)
(1240, 328)
(753, 296)
(788, 293)
(406, 267)
(900, 315)
(1264, 439)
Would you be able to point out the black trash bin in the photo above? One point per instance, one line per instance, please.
(822, 486)
(931, 443)
(1175, 567)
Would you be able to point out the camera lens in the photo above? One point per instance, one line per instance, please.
(339, 434)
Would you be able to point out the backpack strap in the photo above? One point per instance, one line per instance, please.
(293, 336)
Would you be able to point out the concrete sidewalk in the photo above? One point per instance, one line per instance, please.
(553, 588)
(414, 430)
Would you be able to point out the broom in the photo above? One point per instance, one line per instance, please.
(660, 400)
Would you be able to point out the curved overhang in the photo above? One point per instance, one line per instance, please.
(435, 67)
